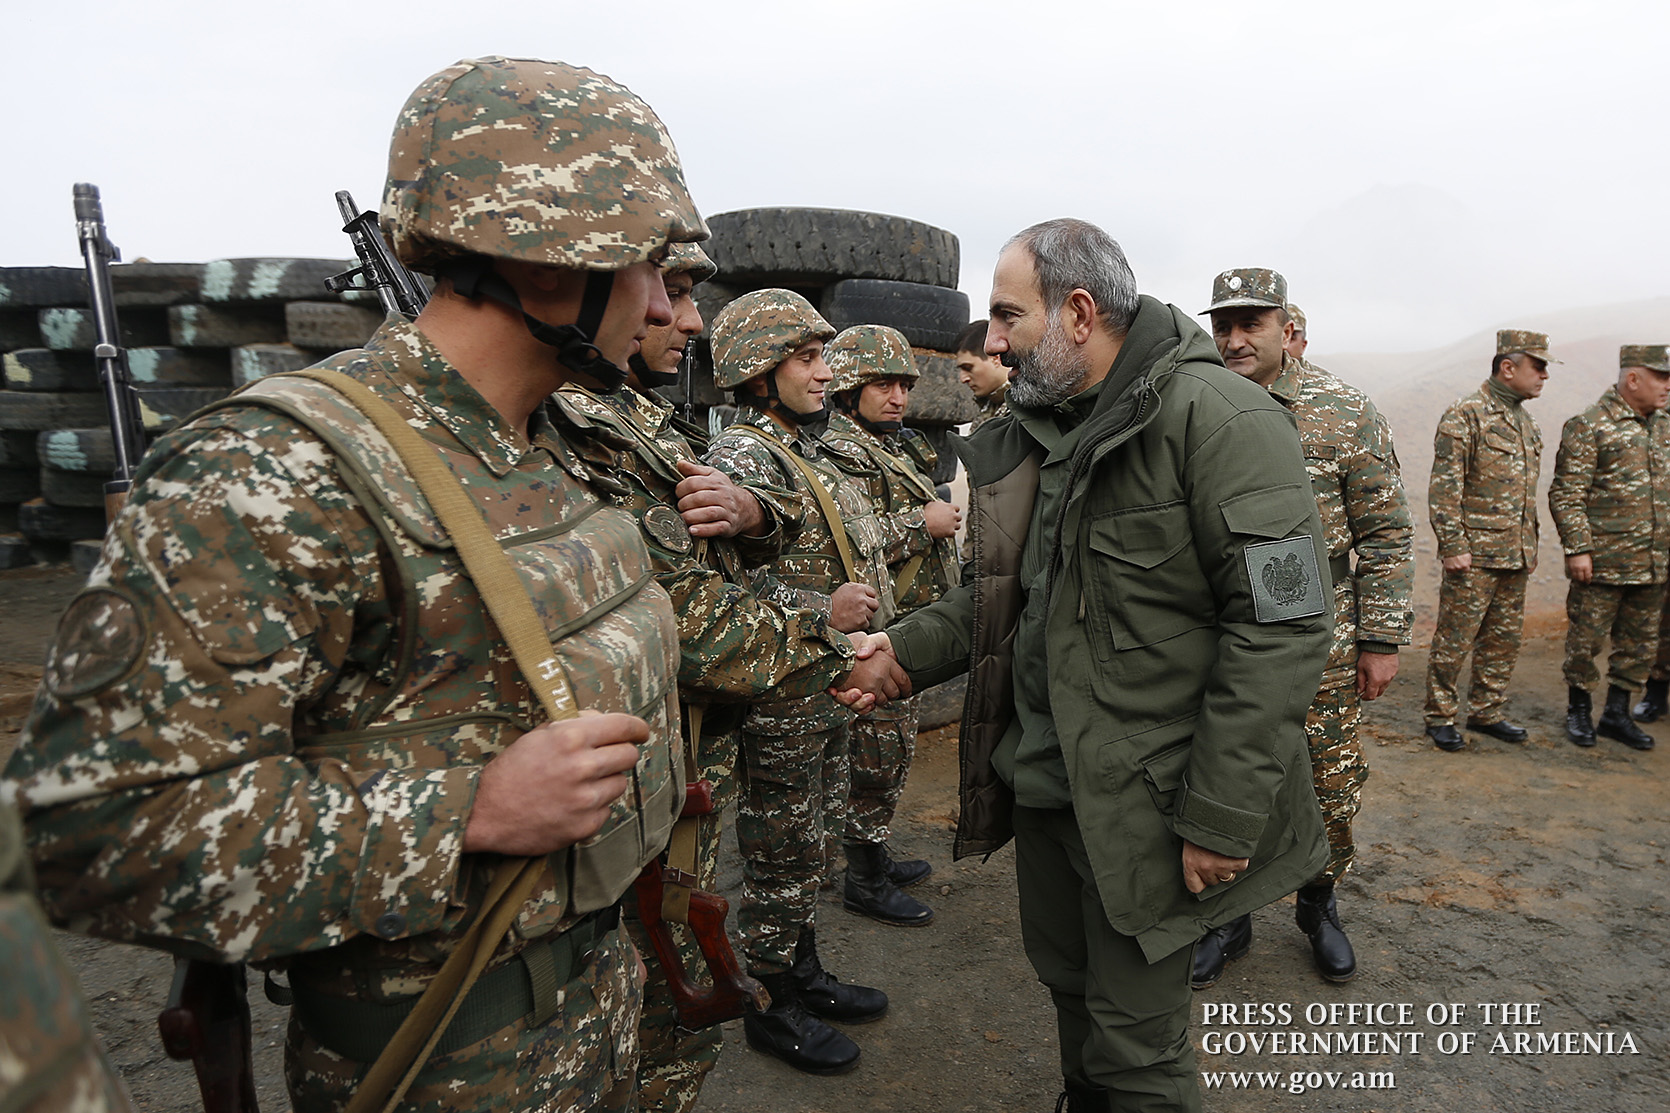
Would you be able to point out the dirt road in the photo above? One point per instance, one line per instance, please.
(1528, 876)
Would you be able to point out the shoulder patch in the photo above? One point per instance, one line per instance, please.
(1285, 581)
(99, 641)
(668, 529)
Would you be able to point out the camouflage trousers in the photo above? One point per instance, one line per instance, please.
(584, 1057)
(672, 1062)
(794, 790)
(1482, 610)
(1661, 661)
(1627, 613)
(50, 1061)
(1338, 768)
(883, 746)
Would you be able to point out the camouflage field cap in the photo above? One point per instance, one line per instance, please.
(1256, 286)
(868, 353)
(544, 162)
(689, 257)
(757, 331)
(1654, 357)
(1515, 341)
(1298, 316)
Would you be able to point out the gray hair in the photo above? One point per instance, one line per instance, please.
(1076, 255)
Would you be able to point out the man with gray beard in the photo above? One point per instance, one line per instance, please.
(1146, 618)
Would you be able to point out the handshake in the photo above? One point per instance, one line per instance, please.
(876, 678)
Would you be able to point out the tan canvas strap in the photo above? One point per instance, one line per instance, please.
(514, 880)
(907, 575)
(918, 482)
(826, 501)
(682, 848)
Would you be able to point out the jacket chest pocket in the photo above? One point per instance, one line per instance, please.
(1501, 439)
(1143, 577)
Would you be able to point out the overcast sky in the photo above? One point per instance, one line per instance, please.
(1419, 170)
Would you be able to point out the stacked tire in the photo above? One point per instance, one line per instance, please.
(856, 268)
(193, 333)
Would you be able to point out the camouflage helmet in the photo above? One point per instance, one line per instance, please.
(757, 331)
(543, 162)
(689, 257)
(866, 354)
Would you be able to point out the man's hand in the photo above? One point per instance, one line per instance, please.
(553, 786)
(1204, 868)
(942, 519)
(876, 678)
(851, 606)
(1374, 673)
(713, 506)
(1580, 567)
(1458, 563)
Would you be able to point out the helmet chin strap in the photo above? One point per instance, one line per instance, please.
(847, 401)
(813, 421)
(649, 378)
(474, 277)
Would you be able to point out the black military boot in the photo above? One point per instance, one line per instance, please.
(1224, 943)
(1616, 723)
(787, 1031)
(1580, 717)
(1654, 702)
(1082, 1097)
(870, 892)
(1318, 917)
(906, 873)
(825, 995)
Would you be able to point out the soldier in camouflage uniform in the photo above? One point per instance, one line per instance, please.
(50, 1061)
(1300, 340)
(278, 724)
(768, 349)
(1655, 697)
(1483, 501)
(733, 647)
(1611, 502)
(984, 375)
(874, 373)
(1359, 496)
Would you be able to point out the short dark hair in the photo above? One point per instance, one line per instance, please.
(1076, 255)
(1496, 362)
(973, 338)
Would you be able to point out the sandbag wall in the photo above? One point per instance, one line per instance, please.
(193, 331)
(855, 268)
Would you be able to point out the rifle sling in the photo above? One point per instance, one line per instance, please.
(514, 880)
(682, 849)
(826, 501)
(907, 575)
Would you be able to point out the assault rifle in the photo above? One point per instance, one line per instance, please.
(127, 432)
(206, 1021)
(397, 288)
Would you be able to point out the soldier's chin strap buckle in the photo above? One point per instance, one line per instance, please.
(813, 421)
(474, 277)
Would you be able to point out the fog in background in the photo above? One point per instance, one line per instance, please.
(1420, 171)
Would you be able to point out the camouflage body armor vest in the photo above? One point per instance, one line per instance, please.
(451, 694)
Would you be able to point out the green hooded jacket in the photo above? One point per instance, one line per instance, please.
(1187, 627)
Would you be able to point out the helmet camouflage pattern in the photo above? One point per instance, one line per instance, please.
(689, 257)
(866, 354)
(544, 162)
(757, 331)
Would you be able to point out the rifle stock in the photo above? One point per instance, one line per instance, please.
(732, 992)
(206, 1022)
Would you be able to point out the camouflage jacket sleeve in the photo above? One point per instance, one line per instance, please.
(1568, 491)
(1383, 535)
(784, 517)
(166, 799)
(751, 463)
(1452, 450)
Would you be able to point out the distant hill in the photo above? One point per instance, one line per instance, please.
(1413, 390)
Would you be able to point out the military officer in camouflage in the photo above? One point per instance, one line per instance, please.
(1611, 503)
(874, 373)
(795, 759)
(985, 376)
(278, 725)
(1482, 497)
(1299, 341)
(1359, 496)
(50, 1060)
(733, 647)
